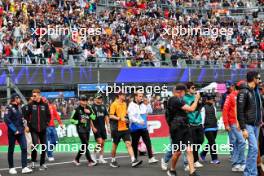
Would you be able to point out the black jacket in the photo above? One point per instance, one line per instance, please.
(78, 114)
(38, 116)
(247, 107)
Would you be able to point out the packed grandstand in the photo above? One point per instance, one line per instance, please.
(69, 56)
(134, 33)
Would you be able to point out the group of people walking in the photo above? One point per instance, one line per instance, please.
(191, 117)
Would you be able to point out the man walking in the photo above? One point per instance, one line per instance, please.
(232, 127)
(249, 114)
(102, 119)
(195, 121)
(82, 117)
(120, 130)
(138, 126)
(14, 120)
(179, 128)
(38, 117)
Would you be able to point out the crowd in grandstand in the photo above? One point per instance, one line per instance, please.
(129, 33)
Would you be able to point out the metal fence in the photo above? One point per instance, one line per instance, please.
(118, 62)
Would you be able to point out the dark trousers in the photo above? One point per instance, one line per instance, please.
(21, 139)
(211, 136)
(39, 137)
(84, 137)
(261, 141)
(135, 139)
(197, 133)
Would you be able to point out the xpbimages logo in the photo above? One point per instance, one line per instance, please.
(66, 147)
(128, 89)
(75, 33)
(196, 31)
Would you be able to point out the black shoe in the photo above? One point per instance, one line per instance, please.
(194, 174)
(136, 163)
(171, 173)
(114, 164)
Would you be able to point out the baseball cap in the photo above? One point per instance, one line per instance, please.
(229, 84)
(180, 87)
(14, 96)
(98, 95)
(83, 98)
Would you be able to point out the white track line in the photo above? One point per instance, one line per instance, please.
(68, 162)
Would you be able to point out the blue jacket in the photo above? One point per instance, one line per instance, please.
(14, 119)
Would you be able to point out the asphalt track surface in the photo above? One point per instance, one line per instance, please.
(63, 166)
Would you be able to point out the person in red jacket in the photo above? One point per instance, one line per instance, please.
(232, 127)
(52, 137)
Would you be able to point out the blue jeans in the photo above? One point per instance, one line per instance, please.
(168, 155)
(251, 163)
(231, 138)
(52, 140)
(184, 159)
(239, 144)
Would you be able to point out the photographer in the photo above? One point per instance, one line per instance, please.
(209, 119)
(195, 121)
(82, 117)
(179, 127)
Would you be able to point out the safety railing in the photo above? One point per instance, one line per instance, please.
(181, 62)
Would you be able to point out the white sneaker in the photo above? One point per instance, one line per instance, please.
(50, 159)
(153, 160)
(26, 170)
(262, 166)
(197, 164)
(43, 167)
(235, 168)
(91, 164)
(186, 168)
(76, 163)
(164, 166)
(101, 160)
(93, 156)
(241, 168)
(12, 171)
